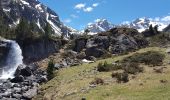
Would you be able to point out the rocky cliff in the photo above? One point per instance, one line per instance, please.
(115, 41)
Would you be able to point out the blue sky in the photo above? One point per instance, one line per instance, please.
(78, 13)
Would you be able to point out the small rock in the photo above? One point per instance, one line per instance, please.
(25, 88)
(57, 66)
(17, 96)
(17, 90)
(30, 93)
(93, 85)
(64, 63)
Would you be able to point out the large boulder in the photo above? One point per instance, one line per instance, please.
(94, 51)
(99, 41)
(80, 44)
(23, 70)
(17, 79)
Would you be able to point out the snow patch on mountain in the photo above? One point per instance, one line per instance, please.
(143, 23)
(33, 11)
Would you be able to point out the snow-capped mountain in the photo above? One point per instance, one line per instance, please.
(99, 25)
(33, 11)
(142, 24)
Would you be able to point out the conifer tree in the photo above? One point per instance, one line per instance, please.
(47, 31)
(50, 70)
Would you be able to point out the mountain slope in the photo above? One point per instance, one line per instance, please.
(33, 11)
(167, 29)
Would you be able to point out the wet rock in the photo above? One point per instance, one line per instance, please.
(7, 85)
(23, 70)
(18, 70)
(22, 87)
(17, 79)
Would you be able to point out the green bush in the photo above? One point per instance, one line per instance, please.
(104, 67)
(50, 70)
(153, 58)
(121, 77)
(132, 68)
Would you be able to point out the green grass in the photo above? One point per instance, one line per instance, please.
(73, 83)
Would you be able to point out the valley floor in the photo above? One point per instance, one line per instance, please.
(73, 83)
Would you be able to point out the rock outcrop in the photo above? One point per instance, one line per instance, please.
(115, 41)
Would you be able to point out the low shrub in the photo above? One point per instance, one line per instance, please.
(121, 77)
(132, 68)
(97, 81)
(153, 58)
(105, 67)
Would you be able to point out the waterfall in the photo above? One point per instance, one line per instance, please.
(14, 58)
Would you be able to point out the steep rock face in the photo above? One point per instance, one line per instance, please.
(33, 11)
(39, 49)
(4, 48)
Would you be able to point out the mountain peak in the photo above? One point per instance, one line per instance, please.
(99, 25)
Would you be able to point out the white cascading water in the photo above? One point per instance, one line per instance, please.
(14, 59)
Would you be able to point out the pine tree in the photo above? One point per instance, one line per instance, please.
(22, 31)
(86, 31)
(156, 29)
(48, 31)
(50, 70)
(151, 28)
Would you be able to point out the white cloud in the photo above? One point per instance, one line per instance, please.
(80, 6)
(167, 18)
(74, 16)
(83, 7)
(95, 4)
(67, 20)
(157, 19)
(88, 9)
